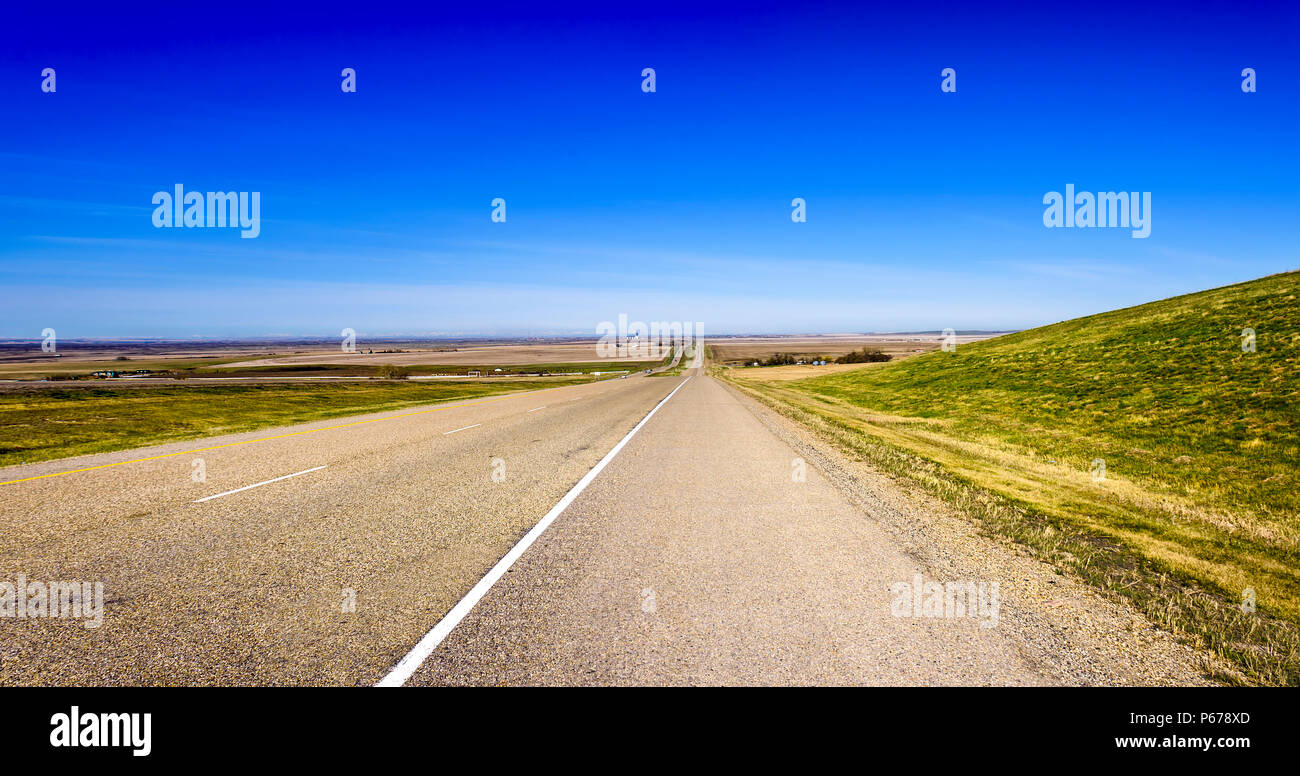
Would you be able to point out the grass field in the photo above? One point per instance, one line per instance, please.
(48, 424)
(1199, 441)
(737, 351)
(367, 370)
(191, 368)
(64, 369)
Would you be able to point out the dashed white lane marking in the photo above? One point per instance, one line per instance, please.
(258, 484)
(445, 433)
(418, 654)
(535, 409)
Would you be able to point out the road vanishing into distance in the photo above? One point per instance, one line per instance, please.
(645, 530)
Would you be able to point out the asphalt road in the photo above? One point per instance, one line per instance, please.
(249, 588)
(695, 556)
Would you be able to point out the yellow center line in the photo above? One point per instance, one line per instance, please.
(291, 434)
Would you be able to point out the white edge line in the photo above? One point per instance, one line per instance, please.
(421, 651)
(476, 425)
(258, 484)
(535, 409)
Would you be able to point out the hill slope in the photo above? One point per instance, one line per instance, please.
(1199, 441)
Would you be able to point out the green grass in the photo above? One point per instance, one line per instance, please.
(47, 424)
(372, 370)
(1200, 442)
(682, 365)
(215, 368)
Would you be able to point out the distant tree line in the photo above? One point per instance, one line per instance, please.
(864, 356)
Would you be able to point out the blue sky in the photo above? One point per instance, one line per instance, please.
(924, 208)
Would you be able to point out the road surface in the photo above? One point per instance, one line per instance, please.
(327, 554)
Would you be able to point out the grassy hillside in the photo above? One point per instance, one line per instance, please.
(1200, 443)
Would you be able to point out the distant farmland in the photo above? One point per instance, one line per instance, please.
(739, 350)
(26, 361)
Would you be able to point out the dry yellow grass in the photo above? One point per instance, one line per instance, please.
(740, 349)
(781, 374)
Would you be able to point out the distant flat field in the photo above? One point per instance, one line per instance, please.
(37, 367)
(781, 374)
(79, 359)
(487, 354)
(738, 349)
